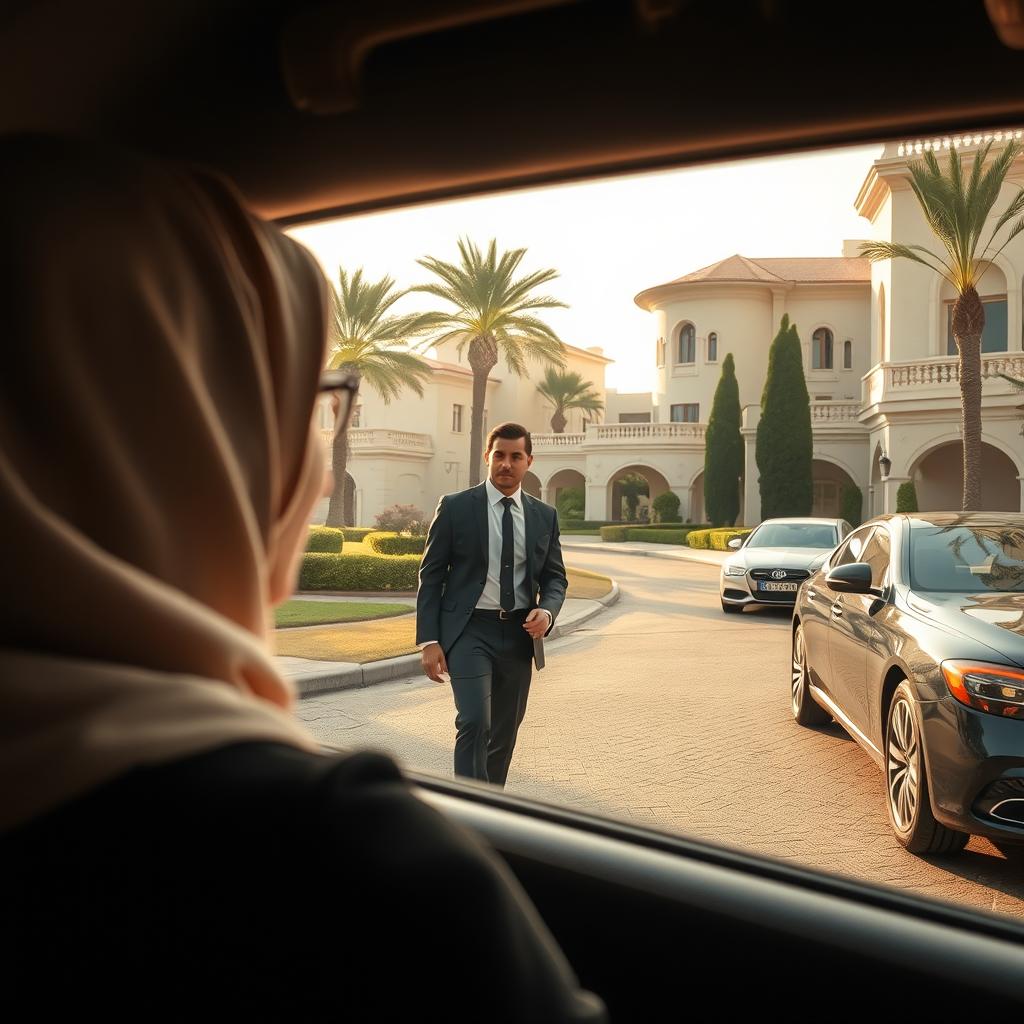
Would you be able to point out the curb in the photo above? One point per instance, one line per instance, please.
(354, 676)
(618, 549)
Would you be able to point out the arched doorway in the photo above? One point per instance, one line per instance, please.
(631, 491)
(828, 483)
(350, 501)
(939, 479)
(567, 491)
(697, 513)
(531, 485)
(322, 507)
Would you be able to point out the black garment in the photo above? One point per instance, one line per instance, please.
(490, 670)
(453, 572)
(506, 575)
(265, 883)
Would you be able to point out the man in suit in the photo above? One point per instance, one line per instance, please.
(491, 584)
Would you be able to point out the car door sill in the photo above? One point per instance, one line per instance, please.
(834, 709)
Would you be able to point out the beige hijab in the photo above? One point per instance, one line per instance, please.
(161, 349)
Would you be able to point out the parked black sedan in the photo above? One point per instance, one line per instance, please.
(911, 636)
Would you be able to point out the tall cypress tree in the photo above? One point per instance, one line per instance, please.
(784, 441)
(723, 450)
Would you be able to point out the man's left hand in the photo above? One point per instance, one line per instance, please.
(537, 623)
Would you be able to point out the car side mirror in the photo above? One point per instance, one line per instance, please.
(735, 544)
(854, 578)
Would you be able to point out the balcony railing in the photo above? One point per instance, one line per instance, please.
(557, 440)
(947, 370)
(834, 412)
(380, 437)
(915, 147)
(620, 434)
(646, 431)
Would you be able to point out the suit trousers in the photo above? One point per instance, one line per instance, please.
(490, 668)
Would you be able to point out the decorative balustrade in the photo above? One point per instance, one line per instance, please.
(834, 412)
(915, 147)
(381, 437)
(557, 440)
(647, 431)
(947, 371)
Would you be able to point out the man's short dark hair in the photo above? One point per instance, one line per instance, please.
(509, 432)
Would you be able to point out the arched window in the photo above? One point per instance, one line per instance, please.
(712, 347)
(687, 344)
(847, 354)
(821, 349)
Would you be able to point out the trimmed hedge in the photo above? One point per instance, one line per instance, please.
(906, 497)
(324, 571)
(388, 543)
(584, 524)
(325, 538)
(720, 538)
(666, 507)
(639, 531)
(658, 536)
(357, 533)
(715, 540)
(852, 504)
(613, 534)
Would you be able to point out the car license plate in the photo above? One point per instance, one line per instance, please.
(762, 585)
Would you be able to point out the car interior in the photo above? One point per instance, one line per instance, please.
(319, 109)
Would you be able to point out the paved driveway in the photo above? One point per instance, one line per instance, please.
(668, 713)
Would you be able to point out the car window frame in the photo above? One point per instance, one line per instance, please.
(880, 529)
(868, 531)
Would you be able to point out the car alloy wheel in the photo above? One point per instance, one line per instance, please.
(906, 782)
(903, 766)
(805, 710)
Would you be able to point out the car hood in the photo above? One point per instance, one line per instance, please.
(779, 558)
(996, 620)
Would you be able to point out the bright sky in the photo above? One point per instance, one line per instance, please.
(610, 239)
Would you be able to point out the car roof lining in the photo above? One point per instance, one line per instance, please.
(540, 95)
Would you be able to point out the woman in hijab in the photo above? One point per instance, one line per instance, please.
(171, 841)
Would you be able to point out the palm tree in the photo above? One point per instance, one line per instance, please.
(493, 314)
(957, 211)
(567, 390)
(367, 340)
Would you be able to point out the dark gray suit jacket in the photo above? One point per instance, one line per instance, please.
(454, 567)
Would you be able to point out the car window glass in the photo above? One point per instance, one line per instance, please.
(876, 554)
(985, 556)
(793, 535)
(624, 479)
(851, 551)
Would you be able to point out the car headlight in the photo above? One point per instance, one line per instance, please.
(993, 688)
(735, 570)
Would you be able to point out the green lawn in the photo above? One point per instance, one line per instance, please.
(315, 613)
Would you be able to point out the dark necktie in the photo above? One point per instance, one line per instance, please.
(506, 577)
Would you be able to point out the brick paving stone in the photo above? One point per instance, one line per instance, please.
(665, 713)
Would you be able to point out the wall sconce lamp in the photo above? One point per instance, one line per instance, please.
(884, 464)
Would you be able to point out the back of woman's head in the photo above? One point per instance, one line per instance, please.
(157, 465)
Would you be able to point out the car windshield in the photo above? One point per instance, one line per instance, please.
(793, 535)
(977, 558)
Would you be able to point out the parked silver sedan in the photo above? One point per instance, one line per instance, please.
(768, 565)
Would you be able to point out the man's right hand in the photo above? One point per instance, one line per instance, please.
(433, 662)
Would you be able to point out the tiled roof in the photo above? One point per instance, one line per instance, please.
(782, 270)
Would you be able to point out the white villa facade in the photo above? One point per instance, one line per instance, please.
(878, 356)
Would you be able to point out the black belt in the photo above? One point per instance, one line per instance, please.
(500, 613)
